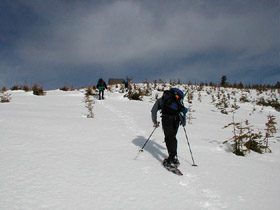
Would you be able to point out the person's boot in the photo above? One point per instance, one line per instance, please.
(173, 161)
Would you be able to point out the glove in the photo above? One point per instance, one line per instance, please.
(156, 125)
(182, 123)
(182, 117)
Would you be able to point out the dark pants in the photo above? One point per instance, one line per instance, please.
(126, 86)
(101, 93)
(170, 125)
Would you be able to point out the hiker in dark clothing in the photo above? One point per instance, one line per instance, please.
(173, 114)
(126, 84)
(101, 86)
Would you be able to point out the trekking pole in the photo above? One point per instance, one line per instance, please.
(141, 150)
(189, 146)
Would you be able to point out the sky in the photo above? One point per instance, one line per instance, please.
(75, 42)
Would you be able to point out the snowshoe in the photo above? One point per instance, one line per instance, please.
(170, 166)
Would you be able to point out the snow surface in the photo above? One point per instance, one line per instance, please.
(53, 157)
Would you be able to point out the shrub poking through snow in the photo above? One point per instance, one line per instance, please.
(89, 105)
(238, 137)
(89, 92)
(38, 91)
(245, 139)
(134, 95)
(65, 88)
(16, 87)
(4, 89)
(26, 88)
(5, 97)
(270, 130)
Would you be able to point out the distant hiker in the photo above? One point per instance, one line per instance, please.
(101, 85)
(173, 113)
(126, 84)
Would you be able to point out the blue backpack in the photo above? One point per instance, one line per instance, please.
(173, 102)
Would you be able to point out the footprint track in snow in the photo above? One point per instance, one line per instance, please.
(125, 118)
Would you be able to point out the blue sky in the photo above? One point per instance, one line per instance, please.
(74, 42)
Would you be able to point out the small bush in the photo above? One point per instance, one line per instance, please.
(244, 99)
(16, 87)
(89, 92)
(38, 91)
(65, 88)
(4, 89)
(270, 130)
(5, 97)
(26, 88)
(253, 145)
(89, 105)
(273, 103)
(244, 136)
(134, 95)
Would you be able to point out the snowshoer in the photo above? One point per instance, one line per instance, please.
(173, 113)
(101, 85)
(126, 84)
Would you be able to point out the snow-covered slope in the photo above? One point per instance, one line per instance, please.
(53, 157)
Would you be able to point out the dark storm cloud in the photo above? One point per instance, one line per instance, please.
(191, 40)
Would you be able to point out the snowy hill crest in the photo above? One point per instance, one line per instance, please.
(53, 157)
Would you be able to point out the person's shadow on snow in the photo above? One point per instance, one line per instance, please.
(152, 147)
